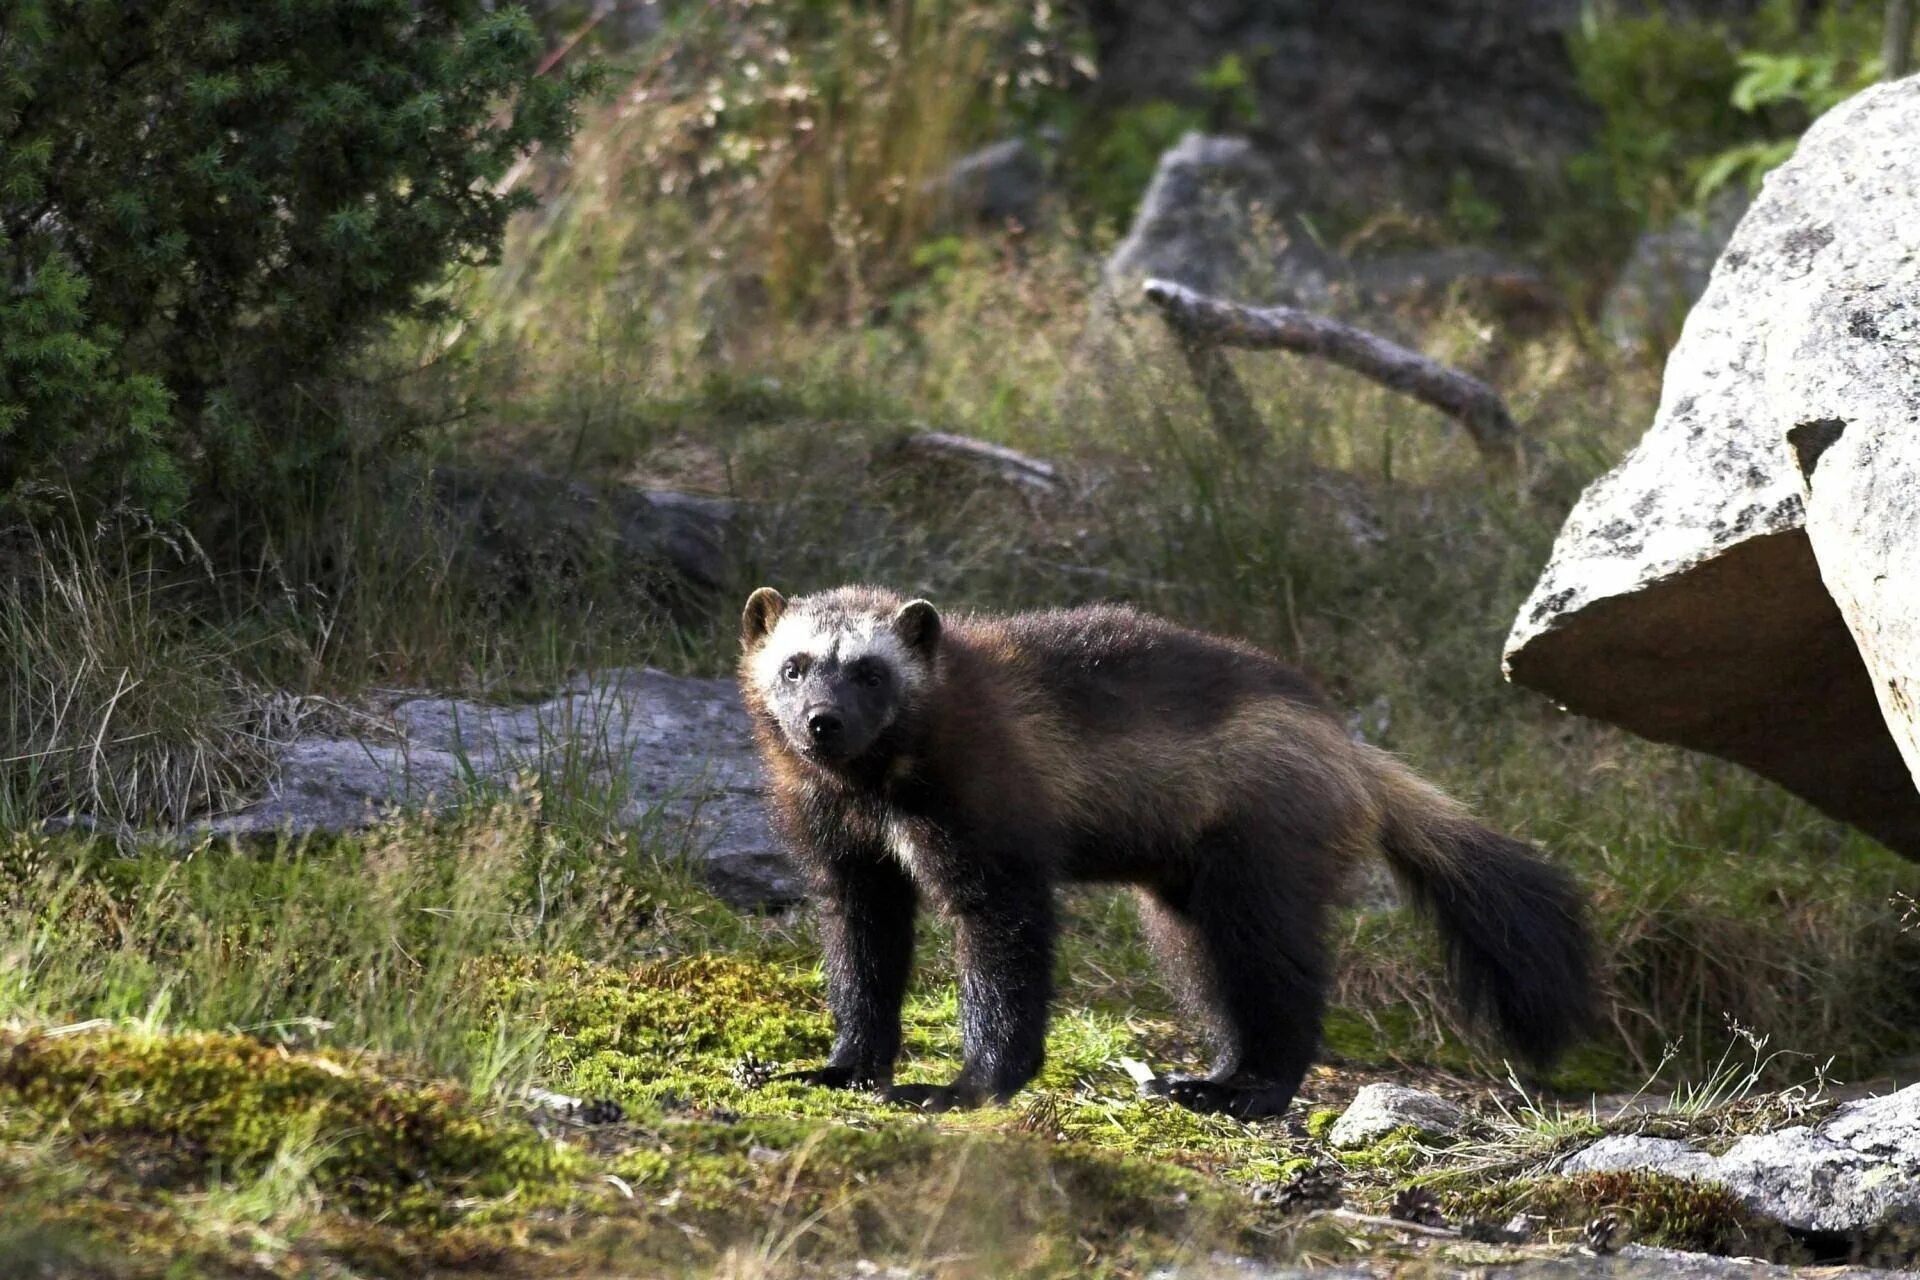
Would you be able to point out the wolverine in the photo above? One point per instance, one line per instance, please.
(976, 762)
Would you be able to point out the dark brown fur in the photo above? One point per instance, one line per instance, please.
(1104, 744)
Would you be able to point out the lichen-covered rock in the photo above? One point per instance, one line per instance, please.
(1805, 1180)
(1856, 1173)
(1379, 1109)
(1634, 1151)
(679, 749)
(1886, 1127)
(1843, 377)
(1633, 1262)
(1683, 600)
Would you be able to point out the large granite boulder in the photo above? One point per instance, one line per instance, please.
(1847, 383)
(1684, 599)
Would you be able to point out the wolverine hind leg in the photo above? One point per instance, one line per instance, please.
(1243, 946)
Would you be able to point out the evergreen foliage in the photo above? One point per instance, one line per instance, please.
(206, 206)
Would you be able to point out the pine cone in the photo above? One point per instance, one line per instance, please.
(1417, 1204)
(1605, 1234)
(1314, 1187)
(602, 1111)
(751, 1072)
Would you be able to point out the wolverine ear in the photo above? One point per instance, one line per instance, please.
(918, 626)
(763, 610)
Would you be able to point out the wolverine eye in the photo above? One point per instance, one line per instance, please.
(869, 675)
(792, 670)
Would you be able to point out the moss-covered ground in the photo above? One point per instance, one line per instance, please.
(145, 1130)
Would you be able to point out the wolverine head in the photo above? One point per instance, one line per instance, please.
(836, 670)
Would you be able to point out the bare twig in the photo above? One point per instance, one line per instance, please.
(1199, 319)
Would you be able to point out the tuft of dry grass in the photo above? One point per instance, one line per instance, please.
(121, 705)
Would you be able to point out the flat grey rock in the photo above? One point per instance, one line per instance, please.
(1623, 1151)
(1633, 1262)
(1683, 599)
(1378, 1109)
(677, 751)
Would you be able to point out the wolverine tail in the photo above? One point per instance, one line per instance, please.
(1513, 925)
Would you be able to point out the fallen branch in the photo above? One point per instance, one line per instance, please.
(1200, 321)
(1010, 464)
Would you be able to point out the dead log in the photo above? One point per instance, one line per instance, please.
(1198, 319)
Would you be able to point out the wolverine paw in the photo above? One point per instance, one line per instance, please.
(933, 1097)
(830, 1077)
(1243, 1101)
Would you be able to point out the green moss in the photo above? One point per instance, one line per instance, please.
(657, 1034)
(1402, 1149)
(1677, 1213)
(1321, 1122)
(195, 1109)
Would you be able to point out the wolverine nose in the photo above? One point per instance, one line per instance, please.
(825, 727)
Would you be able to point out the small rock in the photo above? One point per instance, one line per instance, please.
(1632, 1151)
(1667, 272)
(550, 1100)
(1002, 182)
(1208, 221)
(1379, 1109)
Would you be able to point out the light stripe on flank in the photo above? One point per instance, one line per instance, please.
(901, 843)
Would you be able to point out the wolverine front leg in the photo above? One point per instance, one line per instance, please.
(1004, 927)
(866, 927)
